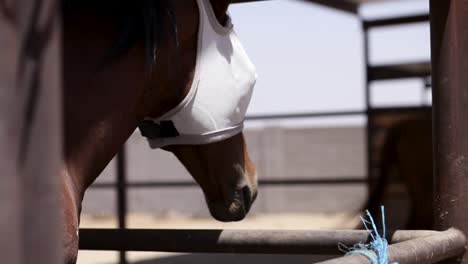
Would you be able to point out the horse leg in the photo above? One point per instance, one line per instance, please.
(421, 205)
(377, 194)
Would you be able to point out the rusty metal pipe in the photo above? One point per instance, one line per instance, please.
(423, 250)
(449, 44)
(232, 241)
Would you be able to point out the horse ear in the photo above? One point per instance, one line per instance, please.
(220, 8)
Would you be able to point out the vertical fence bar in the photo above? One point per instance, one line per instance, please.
(122, 196)
(30, 132)
(449, 37)
(40, 146)
(10, 187)
(367, 99)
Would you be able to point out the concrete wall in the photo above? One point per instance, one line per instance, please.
(277, 152)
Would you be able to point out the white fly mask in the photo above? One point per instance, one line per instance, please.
(215, 106)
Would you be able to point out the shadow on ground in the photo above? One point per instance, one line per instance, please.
(234, 259)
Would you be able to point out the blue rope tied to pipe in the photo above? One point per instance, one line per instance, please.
(376, 250)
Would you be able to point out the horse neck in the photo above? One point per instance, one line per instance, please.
(220, 8)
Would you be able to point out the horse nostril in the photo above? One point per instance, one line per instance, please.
(247, 195)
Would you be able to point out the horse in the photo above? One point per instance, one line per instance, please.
(124, 61)
(407, 149)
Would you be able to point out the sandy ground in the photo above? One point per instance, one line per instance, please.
(283, 221)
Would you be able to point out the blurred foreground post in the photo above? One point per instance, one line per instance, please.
(449, 37)
(30, 132)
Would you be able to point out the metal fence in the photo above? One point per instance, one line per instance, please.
(450, 125)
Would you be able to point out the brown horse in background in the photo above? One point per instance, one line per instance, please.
(407, 150)
(109, 88)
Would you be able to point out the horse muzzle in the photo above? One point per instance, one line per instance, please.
(236, 209)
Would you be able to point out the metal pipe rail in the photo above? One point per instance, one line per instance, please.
(424, 250)
(395, 21)
(306, 115)
(355, 180)
(347, 113)
(245, 241)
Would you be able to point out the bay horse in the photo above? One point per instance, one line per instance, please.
(407, 150)
(124, 61)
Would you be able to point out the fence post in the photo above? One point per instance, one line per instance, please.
(30, 131)
(449, 37)
(122, 196)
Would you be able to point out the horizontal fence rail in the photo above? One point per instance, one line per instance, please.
(236, 241)
(395, 21)
(423, 250)
(373, 110)
(262, 183)
(306, 115)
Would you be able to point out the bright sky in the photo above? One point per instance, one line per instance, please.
(310, 58)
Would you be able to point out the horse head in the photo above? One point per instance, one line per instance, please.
(204, 130)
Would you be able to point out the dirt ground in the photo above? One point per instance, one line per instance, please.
(278, 221)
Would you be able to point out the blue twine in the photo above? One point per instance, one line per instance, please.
(376, 250)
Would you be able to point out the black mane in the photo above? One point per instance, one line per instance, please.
(135, 19)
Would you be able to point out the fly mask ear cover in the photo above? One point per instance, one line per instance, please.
(215, 106)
